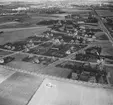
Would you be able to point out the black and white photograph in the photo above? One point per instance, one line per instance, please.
(56, 52)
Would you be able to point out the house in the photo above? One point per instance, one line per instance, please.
(80, 22)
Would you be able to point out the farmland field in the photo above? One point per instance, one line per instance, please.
(104, 12)
(19, 34)
(18, 89)
(55, 54)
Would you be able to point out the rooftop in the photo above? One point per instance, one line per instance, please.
(43, 62)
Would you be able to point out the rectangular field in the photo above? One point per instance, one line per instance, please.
(18, 89)
(53, 92)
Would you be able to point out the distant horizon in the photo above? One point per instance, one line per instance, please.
(44, 0)
(18, 0)
(27, 0)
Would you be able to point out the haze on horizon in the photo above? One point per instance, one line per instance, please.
(45, 0)
(21, 0)
(27, 0)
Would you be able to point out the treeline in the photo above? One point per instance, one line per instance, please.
(52, 10)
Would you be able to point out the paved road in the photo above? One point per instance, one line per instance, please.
(60, 59)
(103, 26)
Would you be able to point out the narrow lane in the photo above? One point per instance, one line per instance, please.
(17, 29)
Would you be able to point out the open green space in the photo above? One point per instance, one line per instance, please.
(101, 36)
(104, 12)
(3, 53)
(18, 89)
(16, 35)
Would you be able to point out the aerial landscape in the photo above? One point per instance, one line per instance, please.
(56, 52)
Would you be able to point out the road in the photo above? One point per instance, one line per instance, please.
(8, 23)
(16, 29)
(17, 52)
(54, 77)
(103, 27)
(68, 58)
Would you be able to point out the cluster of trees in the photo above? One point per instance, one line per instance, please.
(51, 10)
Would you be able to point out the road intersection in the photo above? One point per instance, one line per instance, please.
(68, 58)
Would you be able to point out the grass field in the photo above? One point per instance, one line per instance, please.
(107, 48)
(4, 74)
(25, 84)
(27, 66)
(92, 26)
(55, 71)
(104, 12)
(18, 89)
(62, 93)
(9, 23)
(3, 53)
(101, 36)
(38, 68)
(27, 22)
(72, 10)
(110, 69)
(20, 34)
